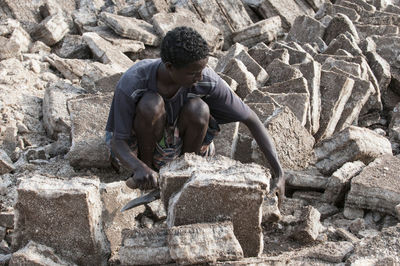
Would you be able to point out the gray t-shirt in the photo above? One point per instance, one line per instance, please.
(225, 106)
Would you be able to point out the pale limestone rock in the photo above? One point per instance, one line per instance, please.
(203, 243)
(62, 207)
(51, 30)
(305, 29)
(333, 252)
(6, 165)
(361, 144)
(36, 254)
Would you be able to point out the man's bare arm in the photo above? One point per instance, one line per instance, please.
(144, 177)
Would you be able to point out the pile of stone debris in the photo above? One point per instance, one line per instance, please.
(323, 76)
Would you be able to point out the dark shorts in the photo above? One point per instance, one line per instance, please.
(170, 146)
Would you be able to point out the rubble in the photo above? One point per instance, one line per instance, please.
(375, 188)
(323, 76)
(75, 211)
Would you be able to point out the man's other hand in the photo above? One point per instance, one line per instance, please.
(144, 179)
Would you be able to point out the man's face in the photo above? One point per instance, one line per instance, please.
(188, 75)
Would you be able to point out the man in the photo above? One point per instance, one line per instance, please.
(165, 107)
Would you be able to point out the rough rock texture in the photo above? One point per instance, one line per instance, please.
(38, 255)
(131, 28)
(56, 118)
(13, 39)
(51, 30)
(351, 144)
(6, 165)
(305, 29)
(88, 119)
(306, 179)
(68, 208)
(114, 196)
(294, 144)
(332, 252)
(203, 243)
(145, 247)
(225, 142)
(235, 194)
(307, 229)
(377, 186)
(280, 71)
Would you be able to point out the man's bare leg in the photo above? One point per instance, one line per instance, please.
(193, 124)
(149, 124)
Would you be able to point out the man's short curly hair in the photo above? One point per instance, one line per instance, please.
(182, 46)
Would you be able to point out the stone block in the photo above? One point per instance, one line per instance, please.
(339, 25)
(106, 53)
(380, 68)
(230, 81)
(307, 228)
(131, 28)
(388, 47)
(114, 196)
(347, 67)
(353, 213)
(365, 31)
(73, 46)
(297, 55)
(377, 248)
(233, 51)
(298, 103)
(51, 30)
(243, 148)
(332, 10)
(203, 243)
(345, 42)
(377, 186)
(71, 208)
(147, 9)
(253, 67)
(339, 183)
(312, 73)
(56, 118)
(164, 22)
(293, 143)
(335, 91)
(308, 179)
(88, 119)
(6, 165)
(14, 39)
(398, 211)
(145, 247)
(235, 194)
(225, 141)
(287, 10)
(332, 252)
(305, 29)
(351, 144)
(265, 30)
(37, 254)
(7, 219)
(174, 174)
(238, 71)
(157, 210)
(25, 11)
(279, 71)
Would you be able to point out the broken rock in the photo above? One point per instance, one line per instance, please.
(37, 254)
(88, 119)
(68, 208)
(377, 186)
(6, 165)
(51, 30)
(351, 144)
(234, 194)
(305, 29)
(203, 243)
(333, 252)
(308, 227)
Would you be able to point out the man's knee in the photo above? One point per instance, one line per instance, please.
(150, 106)
(197, 111)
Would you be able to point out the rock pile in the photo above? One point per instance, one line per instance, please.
(323, 76)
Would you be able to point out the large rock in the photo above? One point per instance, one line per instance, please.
(25, 11)
(293, 143)
(131, 28)
(377, 187)
(51, 30)
(338, 25)
(49, 208)
(309, 179)
(14, 40)
(344, 41)
(297, 55)
(225, 141)
(56, 118)
(280, 71)
(351, 144)
(234, 194)
(88, 119)
(332, 252)
(105, 52)
(383, 248)
(265, 30)
(164, 22)
(339, 183)
(305, 29)
(37, 254)
(308, 225)
(203, 243)
(145, 247)
(335, 91)
(114, 196)
(394, 126)
(6, 165)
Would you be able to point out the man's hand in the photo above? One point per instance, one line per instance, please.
(144, 178)
(279, 189)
